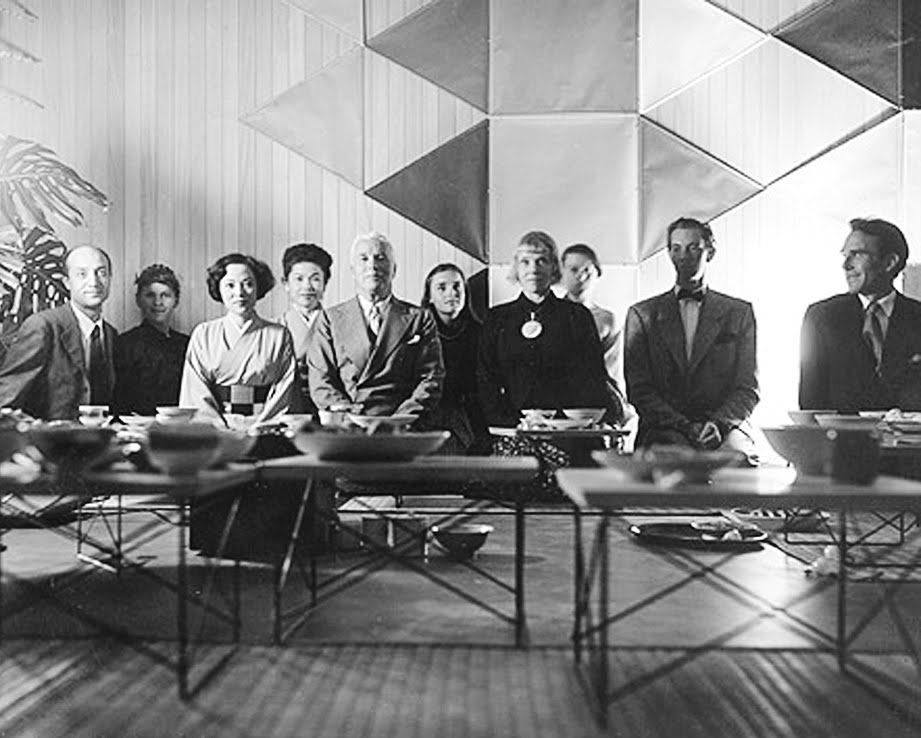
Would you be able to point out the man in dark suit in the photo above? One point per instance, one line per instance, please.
(689, 354)
(861, 350)
(375, 353)
(61, 358)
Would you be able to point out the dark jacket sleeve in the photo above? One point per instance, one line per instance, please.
(493, 399)
(642, 391)
(25, 361)
(741, 400)
(813, 372)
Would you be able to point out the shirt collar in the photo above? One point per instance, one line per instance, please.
(366, 304)
(85, 322)
(703, 288)
(887, 303)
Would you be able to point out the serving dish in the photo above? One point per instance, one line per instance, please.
(342, 446)
(700, 534)
(679, 463)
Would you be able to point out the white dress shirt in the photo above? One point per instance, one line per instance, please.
(690, 315)
(886, 304)
(367, 306)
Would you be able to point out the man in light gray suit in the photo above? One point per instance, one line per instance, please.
(689, 354)
(375, 353)
(61, 358)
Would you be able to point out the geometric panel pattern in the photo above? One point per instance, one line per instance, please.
(445, 42)
(589, 162)
(695, 37)
(858, 38)
(766, 14)
(321, 118)
(803, 110)
(345, 16)
(680, 179)
(558, 56)
(446, 191)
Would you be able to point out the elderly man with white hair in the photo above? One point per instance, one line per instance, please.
(375, 353)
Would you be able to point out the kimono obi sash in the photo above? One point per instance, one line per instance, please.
(242, 399)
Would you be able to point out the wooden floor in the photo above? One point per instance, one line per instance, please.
(95, 689)
(344, 675)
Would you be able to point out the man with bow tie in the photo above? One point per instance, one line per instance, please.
(375, 353)
(861, 350)
(689, 354)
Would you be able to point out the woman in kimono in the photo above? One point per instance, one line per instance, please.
(307, 269)
(239, 363)
(242, 364)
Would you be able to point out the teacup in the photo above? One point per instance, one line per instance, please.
(94, 416)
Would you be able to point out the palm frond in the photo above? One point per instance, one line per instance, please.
(11, 50)
(35, 186)
(18, 9)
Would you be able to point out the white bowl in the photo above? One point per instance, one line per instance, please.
(846, 422)
(172, 414)
(364, 447)
(537, 414)
(589, 414)
(138, 422)
(183, 449)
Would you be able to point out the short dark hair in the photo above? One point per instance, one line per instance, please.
(583, 249)
(157, 273)
(261, 273)
(706, 233)
(889, 236)
(309, 252)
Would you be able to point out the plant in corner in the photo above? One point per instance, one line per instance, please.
(35, 188)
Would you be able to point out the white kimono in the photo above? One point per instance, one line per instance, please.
(220, 353)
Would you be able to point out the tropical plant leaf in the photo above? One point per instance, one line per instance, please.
(35, 186)
(39, 283)
(18, 9)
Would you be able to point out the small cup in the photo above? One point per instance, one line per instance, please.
(94, 416)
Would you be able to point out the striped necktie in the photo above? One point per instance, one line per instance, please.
(374, 318)
(873, 332)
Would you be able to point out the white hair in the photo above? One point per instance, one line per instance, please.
(372, 237)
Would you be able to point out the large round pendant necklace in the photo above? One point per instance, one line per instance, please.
(532, 328)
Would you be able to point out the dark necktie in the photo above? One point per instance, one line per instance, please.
(873, 332)
(686, 294)
(99, 370)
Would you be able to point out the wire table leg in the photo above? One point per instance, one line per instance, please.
(182, 665)
(603, 621)
(842, 591)
(579, 576)
(519, 575)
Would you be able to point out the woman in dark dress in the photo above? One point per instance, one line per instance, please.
(459, 411)
(540, 351)
(149, 357)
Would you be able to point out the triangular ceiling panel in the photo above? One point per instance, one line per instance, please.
(446, 191)
(322, 117)
(682, 40)
(447, 43)
(804, 108)
(911, 54)
(766, 15)
(556, 56)
(859, 178)
(859, 38)
(678, 179)
(344, 16)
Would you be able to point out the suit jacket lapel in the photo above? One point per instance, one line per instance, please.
(894, 345)
(71, 338)
(355, 335)
(668, 321)
(110, 335)
(393, 329)
(709, 324)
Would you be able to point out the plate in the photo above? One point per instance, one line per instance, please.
(905, 426)
(700, 534)
(847, 422)
(382, 421)
(659, 461)
(329, 446)
(557, 424)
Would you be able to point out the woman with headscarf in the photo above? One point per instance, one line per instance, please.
(149, 358)
(446, 295)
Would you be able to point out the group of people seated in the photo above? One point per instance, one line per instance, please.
(689, 354)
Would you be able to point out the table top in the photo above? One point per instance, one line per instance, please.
(604, 432)
(130, 482)
(422, 469)
(763, 487)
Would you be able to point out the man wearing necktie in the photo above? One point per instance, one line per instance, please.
(861, 350)
(689, 354)
(375, 353)
(61, 358)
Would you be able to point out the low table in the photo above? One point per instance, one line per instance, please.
(182, 490)
(434, 469)
(609, 491)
